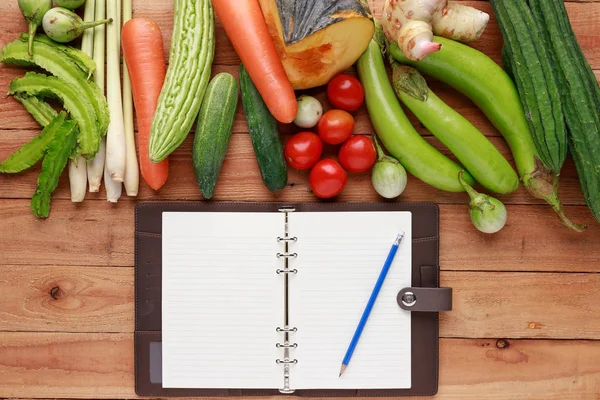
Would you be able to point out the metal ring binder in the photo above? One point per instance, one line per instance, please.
(286, 361)
(287, 255)
(284, 345)
(286, 271)
(294, 329)
(287, 239)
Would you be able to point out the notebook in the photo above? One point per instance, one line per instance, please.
(223, 300)
(213, 319)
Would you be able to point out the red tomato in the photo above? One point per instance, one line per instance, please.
(345, 92)
(358, 154)
(335, 126)
(303, 150)
(327, 178)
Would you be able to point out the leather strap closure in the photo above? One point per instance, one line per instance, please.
(422, 299)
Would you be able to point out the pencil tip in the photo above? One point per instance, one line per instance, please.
(342, 369)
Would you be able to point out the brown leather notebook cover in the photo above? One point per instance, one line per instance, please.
(425, 274)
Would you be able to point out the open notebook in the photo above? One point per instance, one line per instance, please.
(222, 300)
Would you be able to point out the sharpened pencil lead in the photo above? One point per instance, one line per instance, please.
(342, 369)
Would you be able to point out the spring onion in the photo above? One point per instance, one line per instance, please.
(115, 138)
(95, 167)
(78, 166)
(132, 171)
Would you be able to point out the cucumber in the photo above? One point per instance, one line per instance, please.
(397, 133)
(479, 156)
(213, 131)
(531, 68)
(264, 133)
(580, 95)
(483, 81)
(190, 59)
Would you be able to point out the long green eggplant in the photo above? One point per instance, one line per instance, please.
(483, 81)
(472, 149)
(397, 133)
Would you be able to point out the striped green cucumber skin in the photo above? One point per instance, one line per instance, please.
(397, 133)
(190, 59)
(479, 156)
(213, 131)
(580, 95)
(264, 133)
(34, 84)
(536, 82)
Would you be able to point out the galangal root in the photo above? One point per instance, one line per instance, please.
(412, 24)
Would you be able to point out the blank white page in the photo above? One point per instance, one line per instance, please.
(221, 300)
(340, 257)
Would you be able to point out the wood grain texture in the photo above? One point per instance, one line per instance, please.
(485, 305)
(240, 179)
(85, 365)
(66, 299)
(96, 233)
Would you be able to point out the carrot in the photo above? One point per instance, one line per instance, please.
(143, 51)
(246, 28)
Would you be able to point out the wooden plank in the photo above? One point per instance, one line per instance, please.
(66, 299)
(485, 305)
(240, 179)
(96, 233)
(521, 305)
(101, 366)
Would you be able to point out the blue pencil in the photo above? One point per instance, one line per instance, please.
(369, 307)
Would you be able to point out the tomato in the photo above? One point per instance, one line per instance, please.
(345, 92)
(358, 154)
(327, 178)
(303, 150)
(335, 126)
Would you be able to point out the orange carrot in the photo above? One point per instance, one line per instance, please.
(143, 52)
(246, 28)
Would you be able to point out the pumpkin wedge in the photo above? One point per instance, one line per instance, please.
(317, 39)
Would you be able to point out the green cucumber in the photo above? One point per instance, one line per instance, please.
(397, 133)
(536, 81)
(213, 131)
(61, 65)
(32, 151)
(78, 106)
(264, 133)
(579, 92)
(479, 156)
(483, 81)
(55, 161)
(41, 111)
(192, 52)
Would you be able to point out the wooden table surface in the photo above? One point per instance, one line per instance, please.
(525, 323)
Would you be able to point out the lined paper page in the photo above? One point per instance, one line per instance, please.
(221, 300)
(340, 257)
